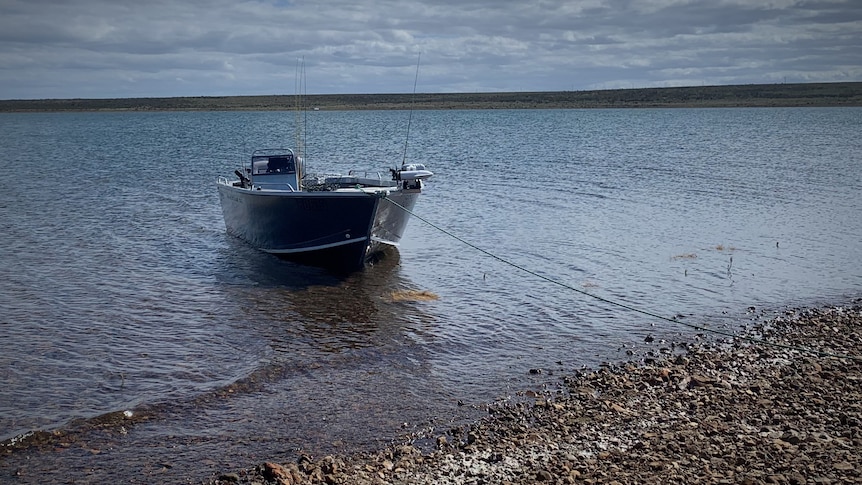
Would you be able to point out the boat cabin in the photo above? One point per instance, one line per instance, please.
(275, 170)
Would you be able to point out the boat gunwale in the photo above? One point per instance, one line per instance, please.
(342, 192)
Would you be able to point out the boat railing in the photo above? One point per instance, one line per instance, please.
(275, 186)
(370, 174)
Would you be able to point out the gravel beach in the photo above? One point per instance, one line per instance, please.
(788, 412)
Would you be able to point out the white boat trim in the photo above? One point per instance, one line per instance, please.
(384, 241)
(306, 249)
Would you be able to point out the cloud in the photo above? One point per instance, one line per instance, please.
(123, 48)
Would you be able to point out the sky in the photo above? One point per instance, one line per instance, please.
(59, 49)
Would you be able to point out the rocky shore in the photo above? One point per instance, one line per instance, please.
(720, 412)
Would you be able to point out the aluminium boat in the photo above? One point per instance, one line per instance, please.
(334, 221)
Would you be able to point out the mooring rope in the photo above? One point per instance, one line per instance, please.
(624, 305)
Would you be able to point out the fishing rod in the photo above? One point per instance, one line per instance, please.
(410, 117)
(301, 121)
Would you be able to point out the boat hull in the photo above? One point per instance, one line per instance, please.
(334, 229)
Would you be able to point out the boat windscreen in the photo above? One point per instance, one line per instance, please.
(274, 165)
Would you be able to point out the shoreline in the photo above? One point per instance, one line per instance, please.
(720, 412)
(733, 96)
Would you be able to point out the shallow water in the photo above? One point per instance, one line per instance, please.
(119, 289)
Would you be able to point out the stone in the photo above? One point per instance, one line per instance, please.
(274, 471)
(544, 476)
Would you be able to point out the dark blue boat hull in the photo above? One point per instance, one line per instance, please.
(333, 229)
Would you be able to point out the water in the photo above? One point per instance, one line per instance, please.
(120, 291)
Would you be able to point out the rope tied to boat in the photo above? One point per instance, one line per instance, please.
(675, 320)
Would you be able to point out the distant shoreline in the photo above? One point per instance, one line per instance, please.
(748, 95)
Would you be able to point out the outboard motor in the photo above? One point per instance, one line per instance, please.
(412, 174)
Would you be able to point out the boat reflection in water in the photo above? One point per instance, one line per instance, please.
(295, 303)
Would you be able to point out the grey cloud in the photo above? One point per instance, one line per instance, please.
(100, 48)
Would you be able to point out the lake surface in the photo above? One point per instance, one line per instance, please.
(120, 291)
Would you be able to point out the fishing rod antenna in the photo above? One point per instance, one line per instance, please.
(410, 116)
(301, 121)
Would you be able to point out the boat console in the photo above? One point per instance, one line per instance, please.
(275, 170)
